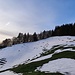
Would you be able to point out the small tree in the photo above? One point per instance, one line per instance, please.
(20, 37)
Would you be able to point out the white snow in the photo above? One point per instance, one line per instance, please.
(42, 58)
(9, 73)
(18, 54)
(60, 65)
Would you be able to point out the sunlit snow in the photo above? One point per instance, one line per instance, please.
(20, 53)
(63, 65)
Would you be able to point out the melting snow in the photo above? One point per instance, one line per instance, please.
(20, 53)
(9, 73)
(63, 65)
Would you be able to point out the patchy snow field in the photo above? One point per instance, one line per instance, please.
(63, 65)
(20, 53)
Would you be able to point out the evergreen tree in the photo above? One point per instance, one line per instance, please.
(20, 37)
(35, 37)
(27, 37)
(24, 38)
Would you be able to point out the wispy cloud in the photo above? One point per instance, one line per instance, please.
(6, 33)
(27, 17)
(33, 15)
(7, 23)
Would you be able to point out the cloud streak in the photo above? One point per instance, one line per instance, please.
(33, 15)
(6, 33)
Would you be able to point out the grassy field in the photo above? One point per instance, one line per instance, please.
(42, 73)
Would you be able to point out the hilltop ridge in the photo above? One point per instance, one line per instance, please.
(63, 30)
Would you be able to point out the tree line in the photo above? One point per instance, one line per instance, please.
(63, 30)
(24, 38)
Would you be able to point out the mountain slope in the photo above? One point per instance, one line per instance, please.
(49, 55)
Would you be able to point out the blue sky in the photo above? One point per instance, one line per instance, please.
(34, 15)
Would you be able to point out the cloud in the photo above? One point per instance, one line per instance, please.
(7, 23)
(25, 16)
(6, 33)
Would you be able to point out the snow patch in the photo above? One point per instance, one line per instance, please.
(63, 65)
(9, 73)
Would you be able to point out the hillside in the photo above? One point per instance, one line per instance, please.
(53, 56)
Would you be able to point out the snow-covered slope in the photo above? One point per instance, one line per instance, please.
(22, 53)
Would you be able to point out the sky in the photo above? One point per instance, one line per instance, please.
(33, 16)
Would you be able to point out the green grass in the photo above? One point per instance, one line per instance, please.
(42, 73)
(52, 50)
(65, 54)
(56, 47)
(29, 69)
(36, 73)
(32, 66)
(73, 47)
